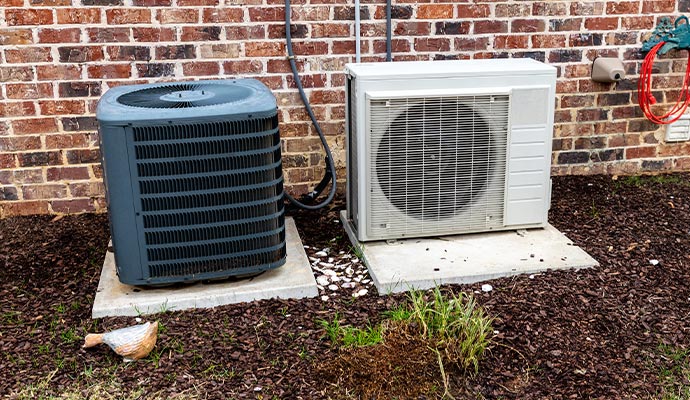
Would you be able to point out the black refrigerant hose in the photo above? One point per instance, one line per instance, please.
(329, 175)
(389, 31)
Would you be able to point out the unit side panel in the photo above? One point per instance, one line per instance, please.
(527, 191)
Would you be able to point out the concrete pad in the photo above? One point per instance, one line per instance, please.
(293, 280)
(397, 266)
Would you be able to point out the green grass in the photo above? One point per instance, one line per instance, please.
(349, 336)
(454, 324)
(674, 377)
(642, 180)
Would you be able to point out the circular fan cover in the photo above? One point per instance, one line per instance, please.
(185, 95)
(435, 168)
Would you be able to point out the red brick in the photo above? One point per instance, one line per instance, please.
(658, 6)
(548, 41)
(28, 55)
(327, 96)
(234, 32)
(68, 35)
(72, 206)
(412, 28)
(203, 68)
(28, 16)
(50, 3)
(60, 107)
(319, 13)
(240, 67)
(512, 10)
(153, 34)
(637, 22)
(42, 158)
(434, 11)
(67, 173)
(397, 46)
(601, 24)
(152, 3)
(471, 11)
(11, 3)
(640, 152)
(566, 24)
(200, 33)
(549, 8)
(15, 36)
(377, 29)
(85, 156)
(78, 15)
(178, 16)
(189, 3)
(24, 208)
(308, 81)
(264, 49)
(58, 72)
(129, 53)
(86, 189)
(587, 8)
(332, 30)
(222, 15)
(7, 161)
(80, 54)
(272, 82)
(577, 71)
(45, 191)
(17, 109)
(20, 143)
(527, 25)
(34, 125)
(108, 35)
(432, 44)
(110, 71)
(511, 42)
(66, 141)
(490, 26)
(261, 14)
(16, 74)
(118, 16)
(623, 7)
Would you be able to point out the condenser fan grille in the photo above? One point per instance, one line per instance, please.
(438, 161)
(185, 95)
(210, 196)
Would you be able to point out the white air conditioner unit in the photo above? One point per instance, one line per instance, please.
(448, 147)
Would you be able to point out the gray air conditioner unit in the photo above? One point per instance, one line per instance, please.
(448, 147)
(194, 180)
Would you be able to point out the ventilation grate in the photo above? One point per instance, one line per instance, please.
(436, 159)
(217, 231)
(185, 95)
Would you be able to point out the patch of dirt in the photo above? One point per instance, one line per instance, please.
(592, 333)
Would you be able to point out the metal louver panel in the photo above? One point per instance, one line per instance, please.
(210, 197)
(353, 159)
(437, 163)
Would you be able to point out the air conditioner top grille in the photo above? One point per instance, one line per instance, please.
(224, 100)
(185, 95)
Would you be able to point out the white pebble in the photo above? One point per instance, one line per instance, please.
(531, 276)
(335, 278)
(654, 262)
(341, 252)
(321, 254)
(346, 279)
(319, 287)
(362, 292)
(333, 287)
(349, 271)
(322, 280)
(330, 259)
(357, 279)
(365, 281)
(326, 265)
(324, 298)
(347, 285)
(137, 319)
(314, 259)
(487, 288)
(330, 272)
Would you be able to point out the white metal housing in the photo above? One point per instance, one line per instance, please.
(448, 147)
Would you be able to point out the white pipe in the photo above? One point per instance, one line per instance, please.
(357, 33)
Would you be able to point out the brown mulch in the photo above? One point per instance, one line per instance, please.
(581, 334)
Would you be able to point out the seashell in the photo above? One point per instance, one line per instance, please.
(132, 343)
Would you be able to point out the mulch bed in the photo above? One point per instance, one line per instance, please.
(567, 334)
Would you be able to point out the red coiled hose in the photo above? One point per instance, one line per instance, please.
(646, 98)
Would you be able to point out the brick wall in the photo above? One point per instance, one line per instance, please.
(59, 56)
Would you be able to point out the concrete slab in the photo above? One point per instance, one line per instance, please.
(293, 280)
(397, 266)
